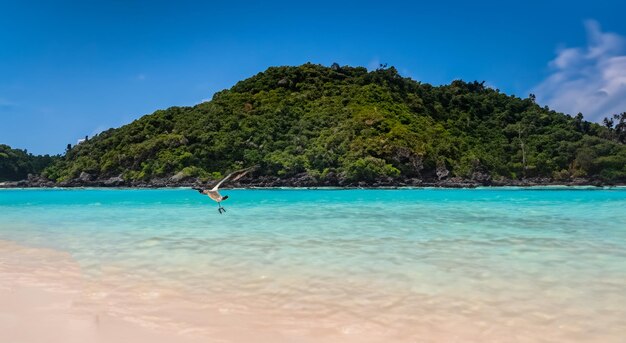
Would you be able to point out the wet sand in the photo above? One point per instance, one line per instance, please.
(46, 297)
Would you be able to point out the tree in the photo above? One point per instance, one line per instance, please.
(16, 164)
(608, 123)
(522, 130)
(620, 127)
(581, 125)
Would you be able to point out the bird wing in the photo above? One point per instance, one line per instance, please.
(222, 181)
(238, 175)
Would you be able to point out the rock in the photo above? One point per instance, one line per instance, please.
(579, 182)
(330, 179)
(8, 184)
(39, 181)
(406, 156)
(442, 171)
(180, 176)
(283, 82)
(481, 176)
(85, 177)
(304, 180)
(114, 182)
(414, 182)
(158, 182)
(342, 182)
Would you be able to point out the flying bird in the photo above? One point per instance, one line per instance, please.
(214, 193)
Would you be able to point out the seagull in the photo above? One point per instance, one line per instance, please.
(214, 193)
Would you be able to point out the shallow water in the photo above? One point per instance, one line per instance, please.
(478, 265)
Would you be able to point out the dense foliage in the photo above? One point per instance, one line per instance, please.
(17, 164)
(359, 125)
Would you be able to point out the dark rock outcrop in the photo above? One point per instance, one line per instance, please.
(329, 179)
(116, 181)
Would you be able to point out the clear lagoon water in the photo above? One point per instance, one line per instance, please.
(487, 264)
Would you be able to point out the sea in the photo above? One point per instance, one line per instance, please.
(542, 264)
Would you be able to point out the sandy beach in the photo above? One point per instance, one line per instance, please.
(44, 298)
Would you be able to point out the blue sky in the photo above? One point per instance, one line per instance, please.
(74, 68)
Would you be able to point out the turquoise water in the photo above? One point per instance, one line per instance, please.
(525, 262)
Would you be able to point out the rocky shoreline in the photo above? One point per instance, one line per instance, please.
(302, 180)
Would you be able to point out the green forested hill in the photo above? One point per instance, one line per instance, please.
(16, 164)
(350, 124)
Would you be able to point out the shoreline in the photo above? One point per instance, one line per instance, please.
(334, 188)
(296, 183)
(329, 188)
(304, 180)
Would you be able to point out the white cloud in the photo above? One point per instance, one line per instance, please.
(489, 84)
(566, 58)
(590, 79)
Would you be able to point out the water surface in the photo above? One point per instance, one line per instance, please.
(501, 264)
